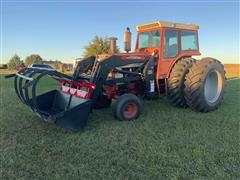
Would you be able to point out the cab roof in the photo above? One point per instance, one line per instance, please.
(166, 24)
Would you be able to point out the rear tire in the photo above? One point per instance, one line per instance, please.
(204, 85)
(127, 107)
(175, 95)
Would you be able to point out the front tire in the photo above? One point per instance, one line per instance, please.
(204, 85)
(127, 107)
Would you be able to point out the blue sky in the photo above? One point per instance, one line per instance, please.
(60, 30)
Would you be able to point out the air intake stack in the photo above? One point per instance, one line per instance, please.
(127, 40)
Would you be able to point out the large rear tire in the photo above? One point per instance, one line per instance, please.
(204, 85)
(175, 95)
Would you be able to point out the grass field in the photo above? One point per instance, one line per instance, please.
(164, 143)
(6, 71)
(232, 70)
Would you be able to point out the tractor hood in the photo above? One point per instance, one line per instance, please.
(127, 56)
(133, 55)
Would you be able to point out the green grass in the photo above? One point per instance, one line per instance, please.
(164, 143)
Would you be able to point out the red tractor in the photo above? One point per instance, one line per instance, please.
(162, 63)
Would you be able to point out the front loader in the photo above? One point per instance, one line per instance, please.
(161, 64)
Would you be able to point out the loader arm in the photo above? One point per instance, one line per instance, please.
(102, 68)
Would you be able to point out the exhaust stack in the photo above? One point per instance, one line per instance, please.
(127, 40)
(112, 43)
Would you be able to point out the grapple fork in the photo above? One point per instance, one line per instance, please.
(68, 106)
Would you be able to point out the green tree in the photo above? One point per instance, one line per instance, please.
(15, 62)
(33, 59)
(98, 45)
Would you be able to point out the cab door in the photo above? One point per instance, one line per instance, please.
(170, 50)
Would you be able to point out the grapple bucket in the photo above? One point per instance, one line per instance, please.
(63, 109)
(68, 106)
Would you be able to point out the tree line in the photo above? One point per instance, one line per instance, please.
(98, 45)
(15, 62)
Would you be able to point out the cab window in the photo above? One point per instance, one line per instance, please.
(149, 39)
(188, 40)
(170, 43)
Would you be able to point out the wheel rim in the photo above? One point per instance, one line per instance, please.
(213, 86)
(130, 110)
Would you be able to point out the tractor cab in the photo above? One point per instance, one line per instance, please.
(172, 40)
